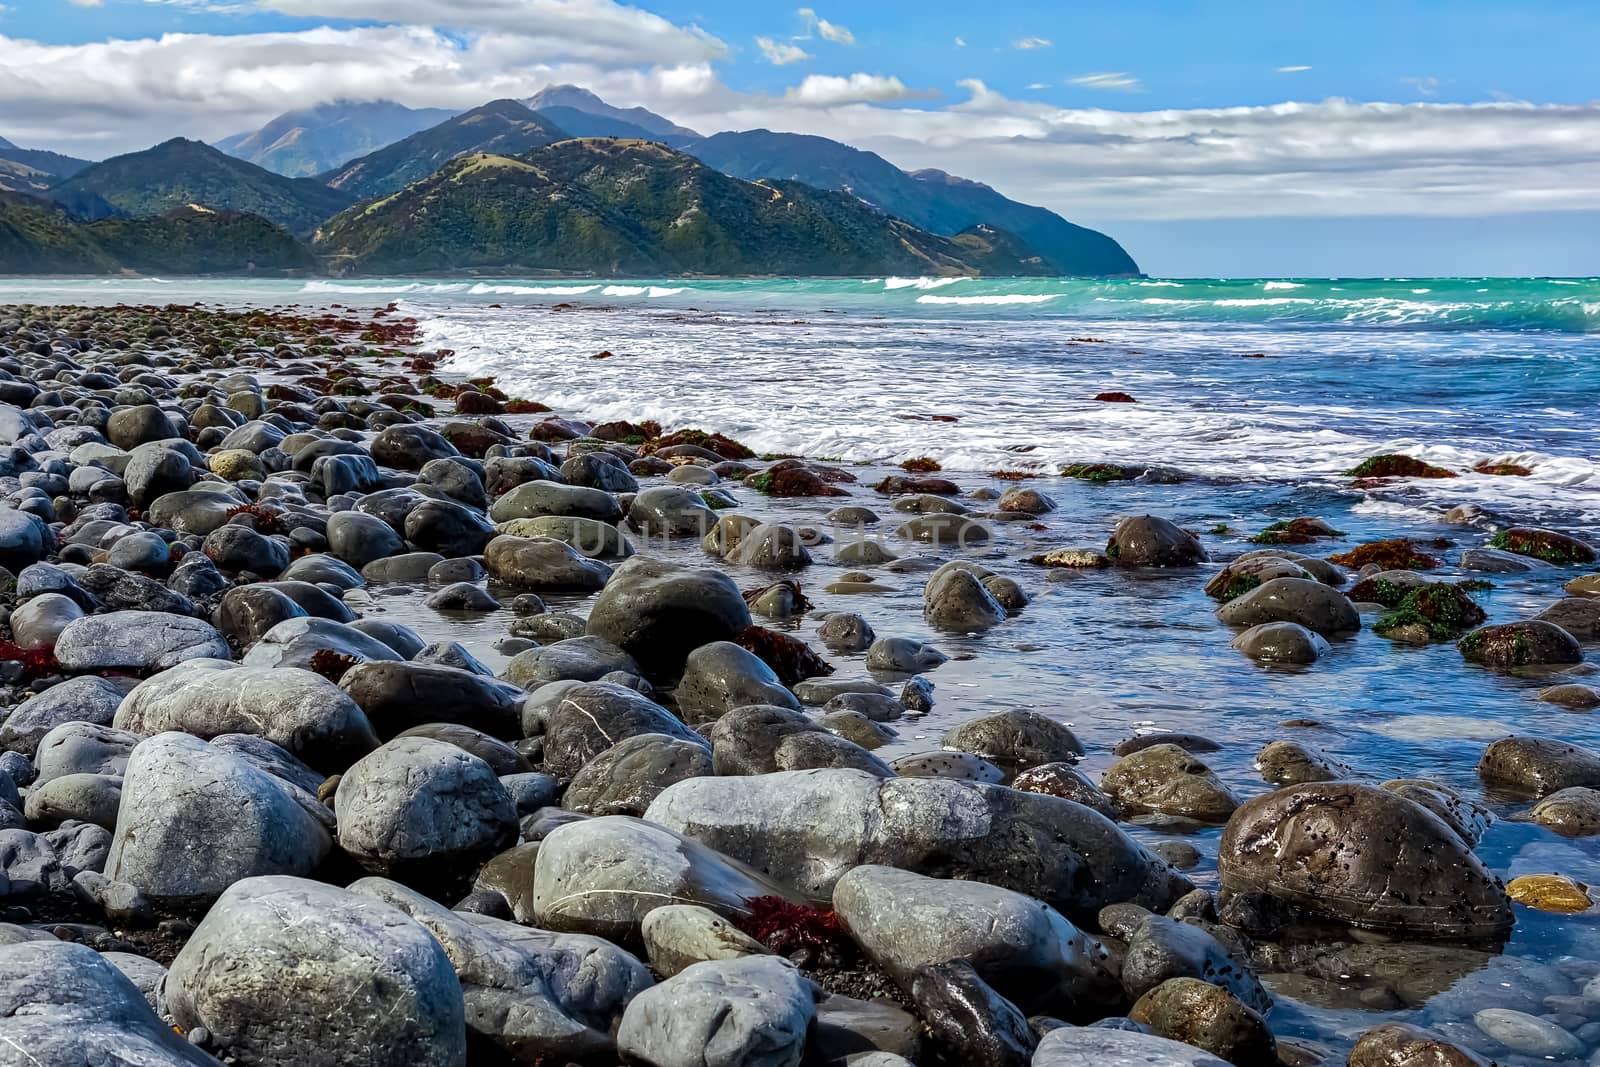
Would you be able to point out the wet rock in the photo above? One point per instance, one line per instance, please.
(1398, 1044)
(1243, 575)
(659, 612)
(680, 935)
(626, 777)
(864, 1033)
(1161, 949)
(1548, 892)
(1208, 1017)
(67, 1006)
(878, 707)
(858, 728)
(602, 876)
(1067, 782)
(1016, 739)
(396, 696)
(1570, 812)
(721, 676)
(197, 819)
(670, 511)
(1468, 818)
(1291, 763)
(954, 766)
(772, 546)
(1322, 848)
(542, 564)
(1519, 644)
(1021, 947)
(301, 711)
(295, 642)
(967, 1016)
(1571, 695)
(1538, 766)
(807, 828)
(590, 537)
(1024, 501)
(584, 659)
(845, 631)
(760, 739)
(137, 641)
(1579, 616)
(722, 1013)
(360, 539)
(1548, 545)
(581, 721)
(1151, 541)
(1166, 780)
(247, 612)
(1281, 642)
(416, 801)
(904, 655)
(1310, 604)
(945, 531)
(1496, 561)
(956, 600)
(272, 946)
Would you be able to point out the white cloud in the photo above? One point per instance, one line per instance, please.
(1292, 70)
(1029, 44)
(780, 53)
(1425, 86)
(86, 3)
(1120, 80)
(961, 42)
(827, 90)
(594, 30)
(1039, 85)
(828, 31)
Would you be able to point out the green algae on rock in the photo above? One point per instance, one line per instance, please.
(1393, 465)
(1548, 545)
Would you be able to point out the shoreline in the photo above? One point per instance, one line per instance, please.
(296, 561)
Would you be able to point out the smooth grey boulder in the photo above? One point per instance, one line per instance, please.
(272, 758)
(417, 801)
(1291, 763)
(247, 612)
(955, 600)
(196, 819)
(771, 546)
(87, 699)
(82, 748)
(591, 537)
(1073, 1046)
(1326, 848)
(1016, 739)
(721, 676)
(807, 828)
(536, 498)
(360, 539)
(293, 643)
(543, 564)
(602, 876)
(533, 993)
(397, 696)
(38, 623)
(273, 948)
(299, 710)
(748, 1012)
(626, 777)
(1151, 541)
(1309, 603)
(138, 641)
(845, 631)
(90, 798)
(578, 722)
(1020, 946)
(584, 659)
(658, 612)
(1281, 642)
(501, 757)
(903, 655)
(680, 935)
(670, 511)
(1535, 766)
(1167, 780)
(1163, 948)
(762, 738)
(64, 1005)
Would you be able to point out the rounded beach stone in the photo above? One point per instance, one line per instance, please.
(677, 936)
(752, 1011)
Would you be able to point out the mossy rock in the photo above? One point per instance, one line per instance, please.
(1520, 644)
(1548, 545)
(1443, 609)
(1392, 465)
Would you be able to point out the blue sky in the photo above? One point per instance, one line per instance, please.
(1213, 138)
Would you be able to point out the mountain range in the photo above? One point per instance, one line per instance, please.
(562, 181)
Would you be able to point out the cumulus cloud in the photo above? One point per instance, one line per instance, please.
(1029, 44)
(828, 31)
(1292, 70)
(827, 90)
(1121, 80)
(961, 42)
(780, 53)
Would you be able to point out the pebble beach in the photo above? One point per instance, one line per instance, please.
(368, 697)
